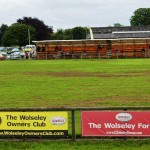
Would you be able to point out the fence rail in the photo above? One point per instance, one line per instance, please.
(76, 108)
(95, 55)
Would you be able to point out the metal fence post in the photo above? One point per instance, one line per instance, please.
(99, 55)
(73, 126)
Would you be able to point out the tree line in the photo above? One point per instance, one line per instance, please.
(17, 34)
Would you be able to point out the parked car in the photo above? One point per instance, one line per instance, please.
(4, 54)
(3, 48)
(29, 48)
(15, 54)
(15, 50)
(22, 54)
(30, 51)
(1, 57)
(8, 56)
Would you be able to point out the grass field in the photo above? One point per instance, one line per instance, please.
(75, 83)
(79, 145)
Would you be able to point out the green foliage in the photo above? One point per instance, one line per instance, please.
(62, 34)
(17, 34)
(79, 33)
(118, 25)
(43, 32)
(59, 35)
(3, 28)
(69, 34)
(140, 17)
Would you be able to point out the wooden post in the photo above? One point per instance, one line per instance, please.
(73, 126)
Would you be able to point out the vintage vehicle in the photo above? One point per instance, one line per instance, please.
(31, 50)
(4, 54)
(1, 57)
(15, 54)
(3, 48)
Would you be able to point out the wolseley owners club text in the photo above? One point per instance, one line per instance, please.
(33, 124)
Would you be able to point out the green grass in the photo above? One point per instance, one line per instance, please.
(75, 83)
(78, 145)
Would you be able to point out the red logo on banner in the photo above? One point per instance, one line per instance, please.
(98, 123)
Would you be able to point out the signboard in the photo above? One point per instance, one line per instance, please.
(33, 124)
(100, 123)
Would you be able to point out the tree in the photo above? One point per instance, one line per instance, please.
(43, 32)
(17, 35)
(118, 25)
(68, 34)
(3, 28)
(62, 34)
(79, 33)
(140, 17)
(59, 35)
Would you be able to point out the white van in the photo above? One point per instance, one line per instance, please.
(31, 49)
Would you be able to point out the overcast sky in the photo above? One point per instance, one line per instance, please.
(71, 13)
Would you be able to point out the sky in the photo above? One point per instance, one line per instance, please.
(64, 14)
